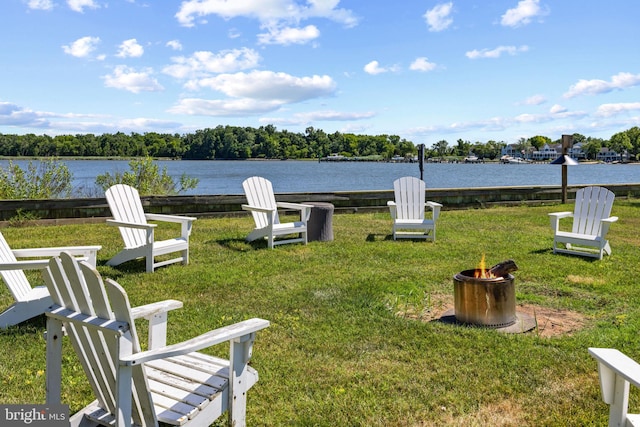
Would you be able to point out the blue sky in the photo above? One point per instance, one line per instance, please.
(424, 70)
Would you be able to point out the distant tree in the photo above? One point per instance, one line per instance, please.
(579, 138)
(620, 142)
(462, 148)
(592, 147)
(441, 148)
(539, 141)
(634, 138)
(522, 146)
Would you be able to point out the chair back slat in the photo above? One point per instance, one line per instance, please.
(125, 205)
(409, 193)
(15, 280)
(593, 204)
(78, 287)
(259, 192)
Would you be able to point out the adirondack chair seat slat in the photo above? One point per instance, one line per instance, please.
(139, 235)
(408, 210)
(130, 385)
(198, 398)
(212, 374)
(591, 221)
(262, 204)
(578, 237)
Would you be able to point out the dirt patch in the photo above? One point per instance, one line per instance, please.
(549, 321)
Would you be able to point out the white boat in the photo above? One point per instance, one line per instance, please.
(513, 160)
(472, 159)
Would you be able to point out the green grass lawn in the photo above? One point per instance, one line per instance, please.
(338, 353)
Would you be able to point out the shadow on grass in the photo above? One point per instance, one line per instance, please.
(33, 325)
(241, 245)
(372, 237)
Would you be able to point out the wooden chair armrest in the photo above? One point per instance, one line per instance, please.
(435, 207)
(392, 208)
(130, 224)
(561, 214)
(84, 253)
(612, 363)
(305, 210)
(156, 314)
(49, 252)
(256, 208)
(236, 332)
(296, 206)
(34, 264)
(169, 218)
(555, 217)
(610, 220)
(154, 308)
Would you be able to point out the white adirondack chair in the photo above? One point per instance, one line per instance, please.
(261, 202)
(172, 384)
(408, 210)
(31, 301)
(591, 222)
(617, 371)
(138, 235)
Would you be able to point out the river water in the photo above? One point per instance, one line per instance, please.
(225, 177)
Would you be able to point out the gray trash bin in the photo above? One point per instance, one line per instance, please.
(320, 224)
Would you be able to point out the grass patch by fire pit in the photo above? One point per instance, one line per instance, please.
(353, 341)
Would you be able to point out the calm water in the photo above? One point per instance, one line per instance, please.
(225, 177)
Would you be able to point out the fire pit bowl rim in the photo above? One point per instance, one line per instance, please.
(470, 275)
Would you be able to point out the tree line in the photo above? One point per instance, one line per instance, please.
(235, 142)
(221, 142)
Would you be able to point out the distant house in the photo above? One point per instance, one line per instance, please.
(577, 152)
(511, 151)
(547, 153)
(552, 152)
(607, 155)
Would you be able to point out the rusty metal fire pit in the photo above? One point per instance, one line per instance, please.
(488, 302)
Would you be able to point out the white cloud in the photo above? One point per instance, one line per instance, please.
(522, 13)
(225, 108)
(174, 44)
(593, 87)
(80, 5)
(40, 4)
(535, 100)
(253, 93)
(271, 12)
(608, 110)
(438, 18)
(204, 62)
(14, 115)
(422, 64)
(497, 52)
(317, 116)
(82, 47)
(289, 35)
(145, 123)
(557, 109)
(269, 86)
(374, 68)
(130, 48)
(127, 78)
